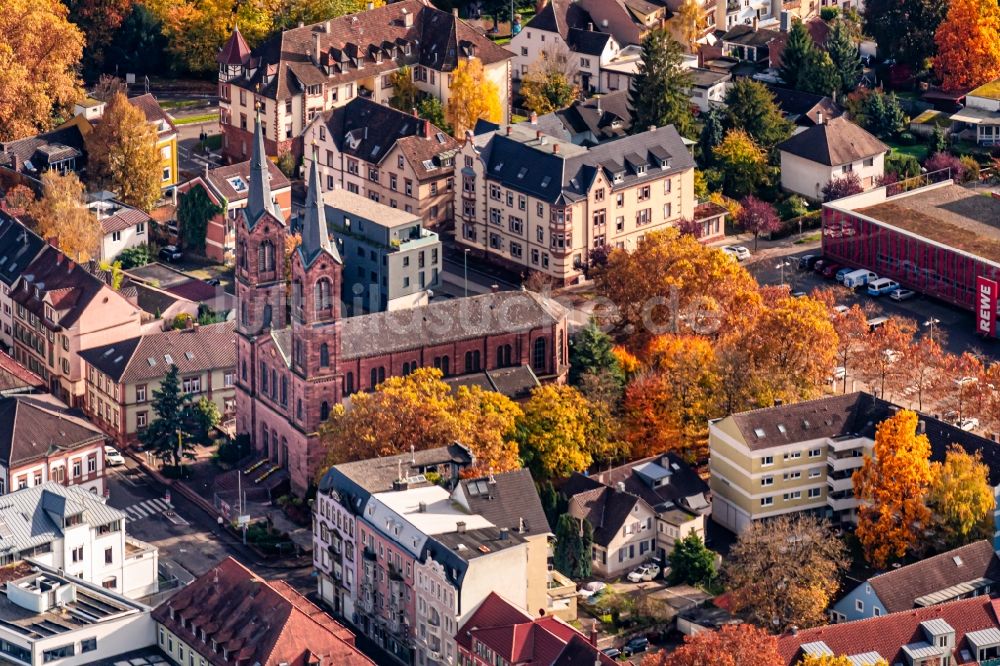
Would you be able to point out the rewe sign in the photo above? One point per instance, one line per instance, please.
(986, 306)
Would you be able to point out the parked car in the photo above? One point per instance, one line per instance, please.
(859, 278)
(612, 652)
(806, 261)
(820, 264)
(841, 309)
(739, 251)
(636, 645)
(798, 294)
(644, 572)
(875, 322)
(171, 253)
(839, 277)
(968, 424)
(882, 286)
(112, 457)
(902, 294)
(830, 270)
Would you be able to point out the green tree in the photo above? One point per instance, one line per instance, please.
(552, 504)
(743, 164)
(904, 29)
(404, 90)
(193, 213)
(713, 131)
(199, 419)
(750, 107)
(131, 257)
(430, 108)
(592, 352)
(167, 434)
(881, 114)
(819, 76)
(574, 537)
(139, 45)
(659, 93)
(796, 54)
(691, 562)
(844, 53)
(938, 142)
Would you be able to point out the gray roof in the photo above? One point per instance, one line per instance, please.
(447, 321)
(378, 474)
(836, 142)
(510, 500)
(18, 247)
(259, 188)
(33, 516)
(516, 383)
(33, 426)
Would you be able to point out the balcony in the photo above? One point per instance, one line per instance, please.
(844, 463)
(990, 662)
(842, 504)
(837, 485)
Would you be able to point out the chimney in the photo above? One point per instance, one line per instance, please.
(369, 5)
(534, 118)
(301, 24)
(460, 527)
(538, 134)
(520, 525)
(590, 26)
(819, 117)
(555, 148)
(422, 507)
(593, 634)
(315, 53)
(785, 21)
(428, 130)
(651, 128)
(778, 402)
(414, 112)
(509, 129)
(495, 288)
(326, 26)
(454, 12)
(407, 18)
(620, 486)
(921, 427)
(755, 21)
(504, 534)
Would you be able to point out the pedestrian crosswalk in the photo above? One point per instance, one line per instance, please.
(147, 508)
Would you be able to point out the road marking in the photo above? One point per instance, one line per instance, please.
(147, 508)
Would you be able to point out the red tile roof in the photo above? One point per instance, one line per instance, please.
(889, 633)
(236, 51)
(255, 621)
(154, 113)
(123, 219)
(14, 376)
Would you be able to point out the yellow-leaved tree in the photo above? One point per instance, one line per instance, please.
(968, 44)
(123, 154)
(892, 489)
(473, 96)
(39, 51)
(420, 410)
(60, 213)
(961, 497)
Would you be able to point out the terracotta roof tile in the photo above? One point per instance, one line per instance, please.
(124, 219)
(15, 377)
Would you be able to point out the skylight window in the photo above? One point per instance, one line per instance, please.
(781, 428)
(440, 137)
(546, 181)
(168, 359)
(759, 432)
(522, 171)
(189, 356)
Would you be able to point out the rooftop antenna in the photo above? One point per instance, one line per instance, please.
(399, 469)
(413, 454)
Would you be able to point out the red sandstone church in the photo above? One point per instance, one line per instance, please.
(295, 362)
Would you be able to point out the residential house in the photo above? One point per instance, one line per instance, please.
(25, 160)
(968, 571)
(709, 88)
(122, 226)
(388, 156)
(166, 137)
(624, 528)
(665, 484)
(18, 248)
(390, 260)
(981, 115)
(498, 632)
(749, 43)
(305, 71)
(591, 121)
(963, 633)
(230, 615)
(75, 532)
(804, 109)
(533, 202)
(228, 187)
(801, 457)
(60, 308)
(410, 559)
(122, 377)
(711, 220)
(42, 440)
(53, 617)
(16, 379)
(829, 150)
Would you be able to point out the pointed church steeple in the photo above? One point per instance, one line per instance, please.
(259, 195)
(315, 234)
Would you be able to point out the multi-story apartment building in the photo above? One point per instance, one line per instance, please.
(388, 156)
(408, 560)
(18, 248)
(74, 531)
(801, 457)
(305, 71)
(121, 377)
(390, 260)
(60, 309)
(534, 202)
(228, 187)
(42, 441)
(230, 615)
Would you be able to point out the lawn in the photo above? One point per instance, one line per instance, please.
(918, 150)
(200, 118)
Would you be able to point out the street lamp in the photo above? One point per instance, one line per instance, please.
(466, 265)
(931, 323)
(961, 382)
(781, 267)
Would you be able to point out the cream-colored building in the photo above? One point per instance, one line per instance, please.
(388, 156)
(534, 202)
(121, 377)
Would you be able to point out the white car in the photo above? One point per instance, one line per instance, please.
(902, 294)
(969, 424)
(841, 309)
(739, 251)
(113, 457)
(643, 573)
(592, 589)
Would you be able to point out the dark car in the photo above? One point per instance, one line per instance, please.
(636, 645)
(612, 652)
(820, 265)
(171, 253)
(830, 270)
(807, 261)
(212, 282)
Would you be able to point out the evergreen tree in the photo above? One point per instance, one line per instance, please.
(713, 131)
(573, 544)
(592, 351)
(691, 562)
(938, 143)
(552, 504)
(750, 107)
(659, 93)
(845, 56)
(796, 54)
(882, 114)
(166, 435)
(819, 75)
(194, 211)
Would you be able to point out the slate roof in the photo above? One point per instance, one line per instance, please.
(899, 588)
(445, 321)
(560, 16)
(836, 142)
(516, 383)
(235, 51)
(682, 482)
(803, 108)
(42, 149)
(219, 177)
(605, 508)
(256, 621)
(886, 635)
(32, 426)
(15, 378)
(606, 117)
(148, 357)
(154, 113)
(511, 501)
(377, 475)
(30, 515)
(746, 35)
(520, 161)
(456, 548)
(588, 42)
(375, 39)
(18, 247)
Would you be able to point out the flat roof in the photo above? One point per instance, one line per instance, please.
(440, 514)
(949, 214)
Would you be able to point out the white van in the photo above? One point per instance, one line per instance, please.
(859, 278)
(882, 286)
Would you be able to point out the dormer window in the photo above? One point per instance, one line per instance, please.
(50, 313)
(618, 177)
(640, 169)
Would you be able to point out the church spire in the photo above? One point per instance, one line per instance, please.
(259, 196)
(315, 234)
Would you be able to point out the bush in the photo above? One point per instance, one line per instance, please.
(181, 321)
(134, 257)
(828, 13)
(231, 451)
(971, 166)
(905, 166)
(792, 207)
(907, 138)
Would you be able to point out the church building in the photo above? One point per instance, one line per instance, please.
(297, 356)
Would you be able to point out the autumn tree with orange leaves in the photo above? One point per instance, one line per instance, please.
(892, 489)
(731, 645)
(968, 43)
(851, 327)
